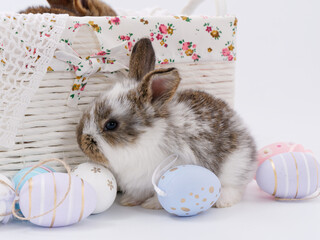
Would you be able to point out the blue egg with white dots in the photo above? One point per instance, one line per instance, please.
(39, 170)
(189, 190)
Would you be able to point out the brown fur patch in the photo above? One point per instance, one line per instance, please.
(93, 8)
(65, 4)
(80, 126)
(74, 8)
(217, 114)
(41, 9)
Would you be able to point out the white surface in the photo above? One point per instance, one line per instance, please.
(256, 217)
(277, 93)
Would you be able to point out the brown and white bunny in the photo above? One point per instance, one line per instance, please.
(134, 126)
(74, 8)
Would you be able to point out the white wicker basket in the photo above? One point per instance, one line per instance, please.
(48, 128)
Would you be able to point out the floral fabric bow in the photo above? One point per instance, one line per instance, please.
(107, 61)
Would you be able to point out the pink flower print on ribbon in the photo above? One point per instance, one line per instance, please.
(163, 29)
(166, 61)
(101, 53)
(129, 45)
(75, 68)
(185, 46)
(77, 25)
(215, 32)
(226, 52)
(128, 37)
(189, 49)
(195, 57)
(83, 86)
(159, 37)
(162, 33)
(115, 20)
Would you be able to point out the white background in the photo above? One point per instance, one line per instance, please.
(278, 95)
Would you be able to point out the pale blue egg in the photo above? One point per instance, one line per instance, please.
(39, 170)
(189, 189)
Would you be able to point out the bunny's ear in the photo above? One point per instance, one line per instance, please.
(142, 59)
(93, 8)
(159, 86)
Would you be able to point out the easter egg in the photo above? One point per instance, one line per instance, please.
(22, 172)
(289, 175)
(277, 148)
(189, 190)
(43, 192)
(6, 199)
(103, 182)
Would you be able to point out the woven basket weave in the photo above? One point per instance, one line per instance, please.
(48, 129)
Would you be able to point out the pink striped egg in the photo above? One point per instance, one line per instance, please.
(289, 175)
(44, 191)
(277, 148)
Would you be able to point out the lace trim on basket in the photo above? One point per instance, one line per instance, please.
(27, 44)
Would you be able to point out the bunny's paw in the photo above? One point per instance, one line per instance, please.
(152, 203)
(229, 196)
(128, 201)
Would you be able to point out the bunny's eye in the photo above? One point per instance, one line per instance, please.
(110, 125)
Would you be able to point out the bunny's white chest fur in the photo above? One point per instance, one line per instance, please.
(133, 165)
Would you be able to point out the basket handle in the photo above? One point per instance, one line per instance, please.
(220, 5)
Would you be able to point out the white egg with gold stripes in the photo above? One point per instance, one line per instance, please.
(44, 192)
(292, 175)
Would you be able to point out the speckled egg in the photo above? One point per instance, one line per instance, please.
(289, 175)
(189, 189)
(102, 180)
(44, 191)
(39, 170)
(6, 199)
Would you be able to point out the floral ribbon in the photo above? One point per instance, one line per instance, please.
(107, 61)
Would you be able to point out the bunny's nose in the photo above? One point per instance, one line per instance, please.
(90, 139)
(90, 147)
(88, 142)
